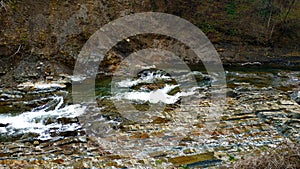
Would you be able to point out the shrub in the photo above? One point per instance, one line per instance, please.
(285, 156)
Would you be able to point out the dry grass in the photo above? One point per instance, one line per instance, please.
(286, 156)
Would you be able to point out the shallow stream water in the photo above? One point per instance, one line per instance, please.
(262, 109)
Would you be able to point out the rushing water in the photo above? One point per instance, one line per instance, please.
(40, 111)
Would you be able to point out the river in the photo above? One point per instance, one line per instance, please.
(262, 110)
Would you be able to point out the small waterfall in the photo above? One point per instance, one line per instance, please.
(35, 121)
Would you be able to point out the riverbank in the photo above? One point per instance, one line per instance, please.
(40, 40)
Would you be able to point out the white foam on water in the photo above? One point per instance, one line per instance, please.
(42, 86)
(155, 96)
(147, 78)
(78, 78)
(33, 121)
(3, 130)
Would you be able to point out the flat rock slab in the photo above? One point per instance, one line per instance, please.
(186, 160)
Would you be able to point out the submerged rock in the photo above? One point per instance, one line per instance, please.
(4, 124)
(296, 96)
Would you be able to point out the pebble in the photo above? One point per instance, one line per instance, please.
(189, 151)
(36, 142)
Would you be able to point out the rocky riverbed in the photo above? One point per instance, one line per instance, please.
(41, 128)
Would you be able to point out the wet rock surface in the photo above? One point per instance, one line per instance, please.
(261, 113)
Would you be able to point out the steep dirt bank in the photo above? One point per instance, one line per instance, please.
(42, 39)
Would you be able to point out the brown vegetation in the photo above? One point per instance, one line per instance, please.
(285, 156)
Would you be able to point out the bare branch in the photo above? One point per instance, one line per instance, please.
(4, 5)
(16, 51)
